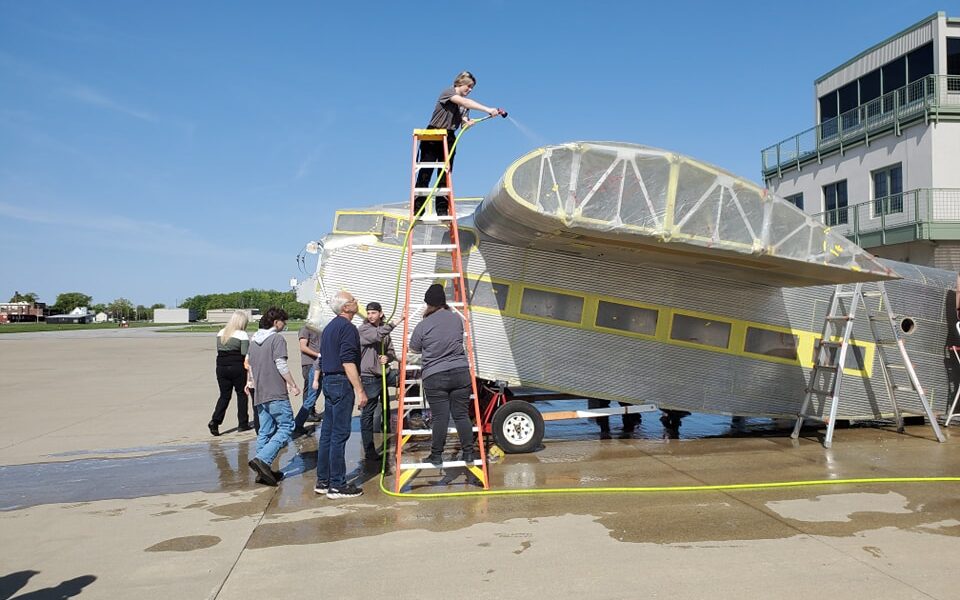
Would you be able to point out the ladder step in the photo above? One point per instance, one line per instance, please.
(825, 367)
(435, 276)
(844, 294)
(430, 165)
(426, 191)
(429, 431)
(873, 294)
(433, 247)
(446, 464)
(892, 366)
(831, 344)
(840, 318)
(818, 392)
(432, 219)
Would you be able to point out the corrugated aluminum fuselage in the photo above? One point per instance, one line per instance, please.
(515, 341)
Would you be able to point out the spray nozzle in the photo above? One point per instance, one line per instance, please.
(502, 113)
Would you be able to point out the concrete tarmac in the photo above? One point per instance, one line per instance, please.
(111, 487)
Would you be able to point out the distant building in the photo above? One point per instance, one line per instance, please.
(77, 316)
(101, 317)
(222, 315)
(881, 163)
(174, 315)
(18, 312)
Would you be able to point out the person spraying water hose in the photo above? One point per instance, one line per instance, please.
(452, 111)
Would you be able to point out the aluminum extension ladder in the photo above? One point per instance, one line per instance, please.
(407, 469)
(831, 354)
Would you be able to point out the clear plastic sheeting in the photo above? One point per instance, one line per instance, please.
(635, 204)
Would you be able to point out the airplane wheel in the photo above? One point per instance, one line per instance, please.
(517, 427)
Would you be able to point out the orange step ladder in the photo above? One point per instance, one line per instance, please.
(417, 245)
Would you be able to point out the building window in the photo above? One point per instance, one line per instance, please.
(888, 190)
(835, 203)
(953, 64)
(771, 343)
(796, 200)
(626, 318)
(700, 331)
(551, 305)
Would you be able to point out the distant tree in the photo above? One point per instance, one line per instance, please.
(143, 313)
(31, 297)
(121, 308)
(157, 305)
(260, 299)
(99, 308)
(68, 301)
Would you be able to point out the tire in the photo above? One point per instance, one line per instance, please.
(518, 427)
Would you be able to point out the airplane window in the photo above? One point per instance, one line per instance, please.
(854, 358)
(700, 331)
(771, 343)
(626, 318)
(487, 294)
(551, 305)
(354, 223)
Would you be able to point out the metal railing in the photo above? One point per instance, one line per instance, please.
(931, 93)
(914, 208)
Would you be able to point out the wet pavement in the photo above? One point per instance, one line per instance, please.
(116, 490)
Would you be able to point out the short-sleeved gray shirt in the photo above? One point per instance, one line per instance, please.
(447, 115)
(313, 342)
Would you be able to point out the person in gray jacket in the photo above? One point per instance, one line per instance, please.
(376, 352)
(270, 376)
(445, 375)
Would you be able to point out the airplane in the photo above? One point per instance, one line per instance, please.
(628, 273)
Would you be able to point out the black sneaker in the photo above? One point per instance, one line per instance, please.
(322, 487)
(347, 491)
(214, 428)
(298, 432)
(244, 427)
(435, 459)
(468, 456)
(278, 475)
(263, 470)
(314, 417)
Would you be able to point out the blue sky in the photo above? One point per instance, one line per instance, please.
(157, 150)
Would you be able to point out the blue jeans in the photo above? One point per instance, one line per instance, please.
(276, 427)
(309, 400)
(338, 399)
(373, 388)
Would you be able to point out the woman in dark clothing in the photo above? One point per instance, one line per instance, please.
(446, 373)
(232, 343)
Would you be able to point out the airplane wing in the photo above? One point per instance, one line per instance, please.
(636, 204)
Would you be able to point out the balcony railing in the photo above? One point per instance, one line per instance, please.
(931, 93)
(912, 211)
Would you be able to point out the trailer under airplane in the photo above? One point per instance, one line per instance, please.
(627, 273)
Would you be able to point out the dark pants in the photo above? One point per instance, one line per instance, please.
(448, 393)
(630, 420)
(231, 378)
(433, 152)
(373, 388)
(338, 399)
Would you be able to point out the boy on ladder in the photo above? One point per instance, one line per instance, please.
(451, 112)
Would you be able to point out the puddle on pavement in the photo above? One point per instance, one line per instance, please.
(221, 465)
(185, 544)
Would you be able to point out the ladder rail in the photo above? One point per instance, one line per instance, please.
(911, 372)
